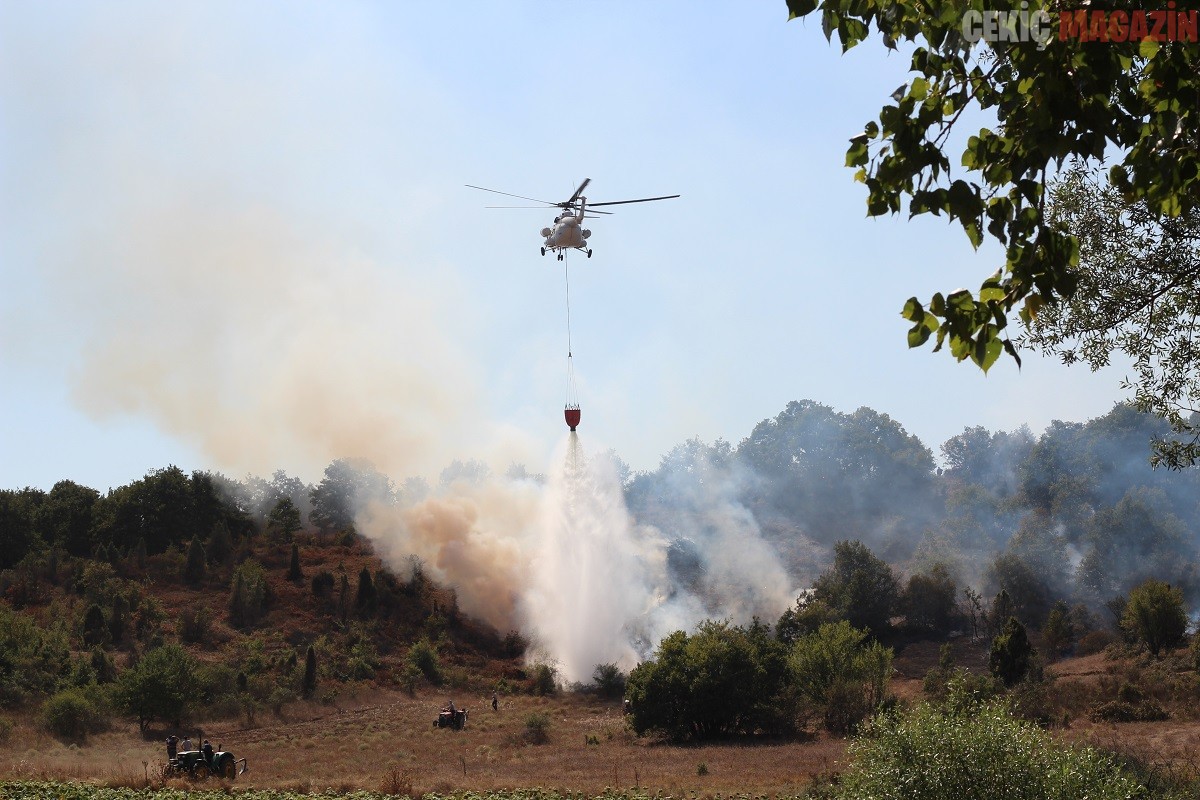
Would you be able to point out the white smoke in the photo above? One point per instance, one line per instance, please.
(565, 563)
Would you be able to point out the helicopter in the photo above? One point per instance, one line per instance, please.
(568, 231)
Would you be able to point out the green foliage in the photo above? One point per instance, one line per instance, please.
(841, 672)
(220, 544)
(159, 686)
(545, 680)
(195, 568)
(1067, 99)
(347, 484)
(1155, 615)
(74, 713)
(249, 594)
(928, 601)
(322, 584)
(1059, 629)
(537, 728)
(423, 657)
(33, 660)
(981, 752)
(804, 618)
(18, 528)
(309, 685)
(95, 627)
(195, 623)
(860, 587)
(723, 679)
(1137, 283)
(295, 574)
(366, 599)
(284, 519)
(1012, 654)
(609, 680)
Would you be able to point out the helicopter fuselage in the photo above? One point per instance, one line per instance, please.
(566, 233)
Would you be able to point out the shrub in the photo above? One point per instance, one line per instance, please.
(1094, 642)
(537, 728)
(194, 624)
(545, 680)
(195, 567)
(424, 658)
(322, 584)
(1012, 654)
(860, 586)
(74, 713)
(1155, 615)
(609, 680)
(6, 727)
(934, 754)
(249, 594)
(841, 673)
(722, 680)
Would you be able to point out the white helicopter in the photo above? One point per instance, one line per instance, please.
(568, 230)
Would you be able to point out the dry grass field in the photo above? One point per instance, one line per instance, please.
(387, 741)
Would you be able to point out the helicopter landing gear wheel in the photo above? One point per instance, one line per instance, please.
(543, 251)
(589, 252)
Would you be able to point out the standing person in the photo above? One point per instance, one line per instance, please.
(172, 747)
(495, 702)
(187, 744)
(207, 750)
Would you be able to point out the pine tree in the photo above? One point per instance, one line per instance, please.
(237, 601)
(139, 557)
(310, 672)
(220, 544)
(1012, 654)
(295, 575)
(344, 599)
(367, 598)
(95, 629)
(194, 569)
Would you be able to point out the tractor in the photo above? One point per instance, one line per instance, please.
(193, 764)
(455, 720)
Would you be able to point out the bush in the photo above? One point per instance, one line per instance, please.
(545, 680)
(724, 679)
(248, 595)
(537, 728)
(423, 657)
(1012, 654)
(609, 680)
(194, 624)
(1126, 711)
(840, 673)
(322, 584)
(934, 754)
(74, 713)
(1155, 615)
(6, 727)
(1094, 642)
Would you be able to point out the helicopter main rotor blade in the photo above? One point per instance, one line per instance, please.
(510, 194)
(642, 200)
(578, 192)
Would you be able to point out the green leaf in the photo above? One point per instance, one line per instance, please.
(918, 335)
(973, 233)
(913, 311)
(919, 89)
(800, 8)
(961, 301)
(1148, 48)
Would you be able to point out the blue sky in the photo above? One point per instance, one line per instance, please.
(235, 236)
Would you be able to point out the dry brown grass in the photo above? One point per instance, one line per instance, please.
(387, 741)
